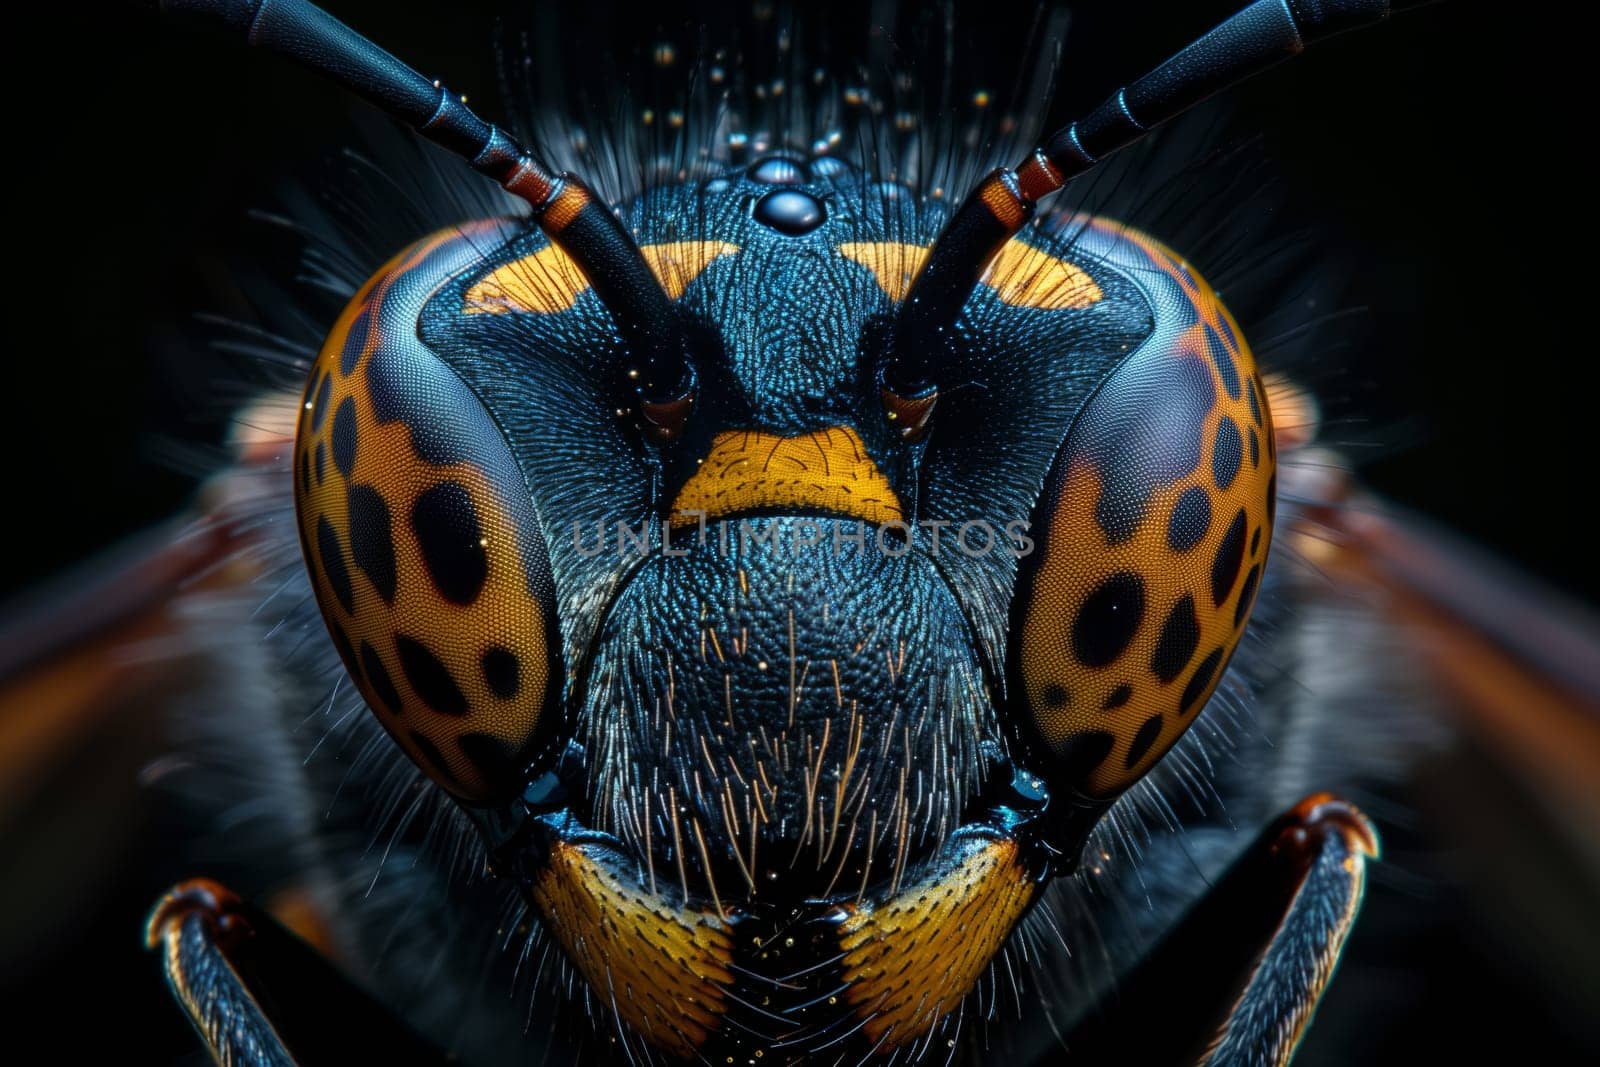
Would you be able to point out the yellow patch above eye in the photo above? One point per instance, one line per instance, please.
(1020, 275)
(893, 264)
(546, 281)
(827, 470)
(549, 281)
(1023, 276)
(678, 263)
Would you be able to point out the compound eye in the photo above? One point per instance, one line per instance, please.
(421, 539)
(1152, 534)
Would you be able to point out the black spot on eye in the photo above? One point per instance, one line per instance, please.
(1227, 333)
(1226, 453)
(790, 212)
(1119, 696)
(1255, 448)
(1108, 619)
(332, 559)
(1272, 496)
(1247, 593)
(446, 525)
(322, 461)
(1056, 696)
(342, 642)
(305, 471)
(1082, 753)
(1191, 518)
(446, 419)
(1143, 740)
(1200, 681)
(1255, 402)
(1153, 448)
(1224, 361)
(439, 770)
(344, 436)
(430, 678)
(1230, 556)
(371, 542)
(1180, 635)
(319, 406)
(502, 671)
(355, 341)
(492, 758)
(1255, 542)
(378, 679)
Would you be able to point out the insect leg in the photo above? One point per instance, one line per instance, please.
(260, 997)
(1237, 982)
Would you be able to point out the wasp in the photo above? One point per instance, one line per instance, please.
(791, 594)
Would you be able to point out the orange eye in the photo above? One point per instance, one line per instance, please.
(422, 542)
(1152, 535)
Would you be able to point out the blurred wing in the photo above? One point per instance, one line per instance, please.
(1517, 665)
(103, 642)
(92, 664)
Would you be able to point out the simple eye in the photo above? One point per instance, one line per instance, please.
(1152, 534)
(422, 542)
(664, 420)
(909, 415)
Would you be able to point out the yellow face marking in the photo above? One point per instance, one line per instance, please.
(1144, 711)
(892, 263)
(1020, 275)
(827, 470)
(503, 615)
(1023, 276)
(549, 281)
(911, 959)
(678, 263)
(665, 969)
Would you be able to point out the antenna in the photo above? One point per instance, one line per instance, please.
(1260, 36)
(568, 212)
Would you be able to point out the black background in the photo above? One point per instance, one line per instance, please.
(1433, 162)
